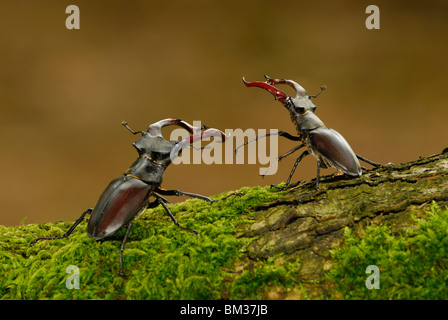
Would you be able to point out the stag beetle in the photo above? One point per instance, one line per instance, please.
(126, 196)
(327, 145)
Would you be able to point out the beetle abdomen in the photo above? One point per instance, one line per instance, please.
(331, 147)
(122, 200)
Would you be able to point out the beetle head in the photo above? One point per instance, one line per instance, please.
(154, 146)
(297, 105)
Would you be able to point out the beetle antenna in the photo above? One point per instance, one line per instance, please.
(125, 124)
(322, 88)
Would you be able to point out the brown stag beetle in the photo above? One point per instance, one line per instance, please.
(327, 145)
(126, 196)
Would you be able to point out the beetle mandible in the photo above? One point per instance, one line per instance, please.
(327, 145)
(126, 196)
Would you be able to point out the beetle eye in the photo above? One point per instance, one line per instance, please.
(299, 109)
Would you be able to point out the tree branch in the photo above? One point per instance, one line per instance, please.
(264, 244)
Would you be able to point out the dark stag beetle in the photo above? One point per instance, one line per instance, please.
(126, 196)
(327, 145)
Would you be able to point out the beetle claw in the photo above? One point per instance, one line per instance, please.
(191, 230)
(229, 195)
(286, 186)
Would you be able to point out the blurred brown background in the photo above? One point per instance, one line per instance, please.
(64, 93)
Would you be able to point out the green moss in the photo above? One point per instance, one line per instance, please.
(413, 265)
(254, 283)
(160, 260)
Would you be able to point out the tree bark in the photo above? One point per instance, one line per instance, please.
(310, 229)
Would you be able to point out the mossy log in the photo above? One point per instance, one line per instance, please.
(264, 244)
(392, 195)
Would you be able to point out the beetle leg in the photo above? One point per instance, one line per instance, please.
(173, 218)
(229, 195)
(290, 152)
(67, 234)
(155, 203)
(181, 193)
(283, 156)
(377, 165)
(194, 195)
(122, 246)
(317, 183)
(280, 133)
(304, 154)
